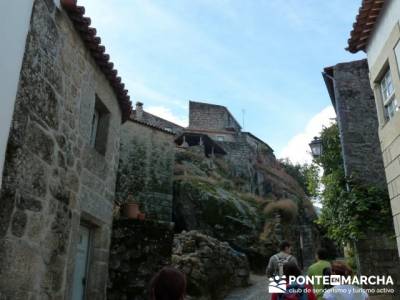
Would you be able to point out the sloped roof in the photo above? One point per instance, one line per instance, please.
(366, 19)
(327, 75)
(97, 51)
(154, 120)
(151, 126)
(260, 140)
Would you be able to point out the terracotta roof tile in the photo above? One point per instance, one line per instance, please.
(365, 22)
(92, 42)
(151, 126)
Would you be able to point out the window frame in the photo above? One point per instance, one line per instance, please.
(100, 126)
(387, 93)
(396, 51)
(94, 127)
(386, 97)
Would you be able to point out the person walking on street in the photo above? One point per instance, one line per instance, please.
(277, 261)
(344, 291)
(294, 291)
(317, 269)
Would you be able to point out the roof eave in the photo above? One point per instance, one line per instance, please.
(367, 17)
(97, 51)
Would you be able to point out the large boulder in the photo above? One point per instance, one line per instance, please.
(215, 210)
(212, 267)
(251, 202)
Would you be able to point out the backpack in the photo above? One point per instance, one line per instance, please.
(293, 296)
(281, 262)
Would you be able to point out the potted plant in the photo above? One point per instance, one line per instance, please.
(130, 208)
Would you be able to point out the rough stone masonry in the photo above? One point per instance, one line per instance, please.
(146, 168)
(349, 88)
(54, 180)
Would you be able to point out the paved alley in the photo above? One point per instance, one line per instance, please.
(257, 291)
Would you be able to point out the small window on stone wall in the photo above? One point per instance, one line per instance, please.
(100, 124)
(220, 138)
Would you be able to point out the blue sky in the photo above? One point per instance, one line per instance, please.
(265, 57)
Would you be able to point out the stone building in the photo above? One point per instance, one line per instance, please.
(215, 120)
(61, 161)
(377, 32)
(146, 166)
(140, 115)
(219, 124)
(353, 100)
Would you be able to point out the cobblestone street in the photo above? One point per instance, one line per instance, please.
(257, 291)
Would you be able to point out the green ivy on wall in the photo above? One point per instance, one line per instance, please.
(350, 209)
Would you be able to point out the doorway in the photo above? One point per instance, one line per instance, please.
(81, 264)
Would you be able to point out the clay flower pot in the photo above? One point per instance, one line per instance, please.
(131, 210)
(141, 216)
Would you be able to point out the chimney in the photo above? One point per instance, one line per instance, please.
(139, 110)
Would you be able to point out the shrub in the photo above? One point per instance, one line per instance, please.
(285, 207)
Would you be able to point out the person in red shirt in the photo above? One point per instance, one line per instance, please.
(294, 291)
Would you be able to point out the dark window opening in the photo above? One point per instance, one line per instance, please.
(100, 124)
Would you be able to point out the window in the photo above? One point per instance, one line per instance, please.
(388, 96)
(95, 123)
(397, 54)
(100, 124)
(220, 138)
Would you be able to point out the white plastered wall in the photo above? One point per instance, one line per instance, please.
(14, 24)
(387, 20)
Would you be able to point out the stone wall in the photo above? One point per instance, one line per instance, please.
(53, 179)
(212, 267)
(370, 253)
(219, 135)
(146, 169)
(257, 143)
(357, 119)
(211, 116)
(245, 157)
(246, 148)
(358, 123)
(138, 250)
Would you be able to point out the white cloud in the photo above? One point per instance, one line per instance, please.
(297, 149)
(145, 93)
(166, 113)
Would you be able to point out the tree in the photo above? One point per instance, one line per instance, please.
(305, 174)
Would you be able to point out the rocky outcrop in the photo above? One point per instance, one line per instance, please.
(212, 267)
(231, 200)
